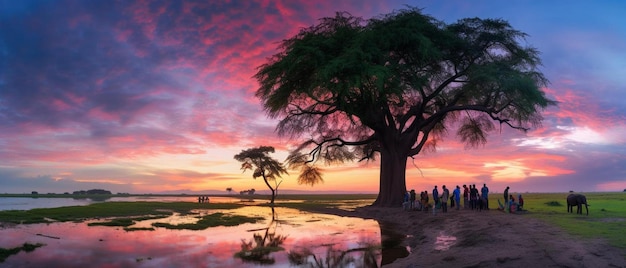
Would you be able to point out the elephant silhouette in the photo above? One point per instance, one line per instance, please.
(577, 200)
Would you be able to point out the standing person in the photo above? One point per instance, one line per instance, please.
(425, 204)
(423, 201)
(456, 194)
(412, 199)
(405, 203)
(465, 196)
(452, 201)
(485, 194)
(444, 199)
(435, 199)
(506, 198)
(473, 192)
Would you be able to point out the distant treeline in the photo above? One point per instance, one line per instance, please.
(92, 191)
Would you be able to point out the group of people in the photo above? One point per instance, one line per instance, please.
(472, 199)
(203, 199)
(475, 200)
(510, 205)
(440, 201)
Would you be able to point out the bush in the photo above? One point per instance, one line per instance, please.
(554, 204)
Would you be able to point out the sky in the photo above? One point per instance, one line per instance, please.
(158, 96)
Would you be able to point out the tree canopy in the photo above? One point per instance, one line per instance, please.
(262, 165)
(392, 86)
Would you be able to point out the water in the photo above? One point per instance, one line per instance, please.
(300, 238)
(26, 203)
(444, 241)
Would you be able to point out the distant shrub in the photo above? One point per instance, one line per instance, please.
(554, 204)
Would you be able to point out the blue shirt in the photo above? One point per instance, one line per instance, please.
(484, 191)
(457, 194)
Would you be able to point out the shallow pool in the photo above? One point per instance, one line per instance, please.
(286, 238)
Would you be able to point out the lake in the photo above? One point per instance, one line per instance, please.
(297, 239)
(26, 203)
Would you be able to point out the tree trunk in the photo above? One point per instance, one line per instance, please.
(392, 178)
(273, 196)
(270, 186)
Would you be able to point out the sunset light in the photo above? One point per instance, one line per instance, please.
(158, 97)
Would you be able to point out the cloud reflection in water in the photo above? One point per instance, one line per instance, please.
(82, 246)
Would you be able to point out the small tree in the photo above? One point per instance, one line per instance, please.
(229, 190)
(258, 160)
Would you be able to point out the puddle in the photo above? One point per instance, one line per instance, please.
(444, 242)
(392, 243)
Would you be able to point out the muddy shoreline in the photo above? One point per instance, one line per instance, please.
(468, 238)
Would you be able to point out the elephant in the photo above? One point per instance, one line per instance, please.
(577, 200)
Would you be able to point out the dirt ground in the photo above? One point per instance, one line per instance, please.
(468, 238)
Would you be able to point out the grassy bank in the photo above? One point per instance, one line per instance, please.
(106, 210)
(606, 219)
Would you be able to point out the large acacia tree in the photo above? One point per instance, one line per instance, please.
(393, 85)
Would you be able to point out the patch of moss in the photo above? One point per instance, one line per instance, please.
(211, 220)
(131, 229)
(125, 222)
(26, 247)
(106, 210)
(553, 204)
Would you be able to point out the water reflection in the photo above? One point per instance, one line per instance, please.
(444, 242)
(26, 203)
(94, 198)
(262, 244)
(365, 256)
(392, 243)
(321, 237)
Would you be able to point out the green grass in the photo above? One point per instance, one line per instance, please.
(125, 222)
(106, 210)
(211, 220)
(606, 220)
(132, 229)
(26, 247)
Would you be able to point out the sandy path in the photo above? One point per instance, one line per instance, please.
(488, 239)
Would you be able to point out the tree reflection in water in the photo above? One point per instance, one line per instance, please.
(392, 243)
(336, 258)
(259, 248)
(391, 248)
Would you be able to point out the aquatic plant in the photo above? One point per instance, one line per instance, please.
(26, 247)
